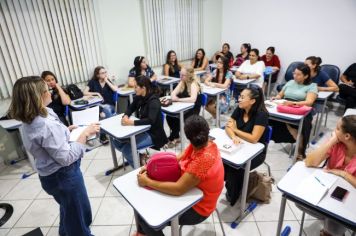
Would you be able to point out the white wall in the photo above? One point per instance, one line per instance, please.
(298, 29)
(122, 37)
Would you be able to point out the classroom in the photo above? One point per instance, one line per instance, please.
(177, 117)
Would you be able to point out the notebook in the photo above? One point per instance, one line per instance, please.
(83, 119)
(313, 188)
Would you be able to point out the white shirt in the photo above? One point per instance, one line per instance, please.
(257, 68)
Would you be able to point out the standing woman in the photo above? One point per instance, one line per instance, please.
(57, 160)
(187, 90)
(244, 55)
(200, 61)
(324, 82)
(59, 97)
(272, 60)
(221, 78)
(248, 122)
(141, 68)
(172, 66)
(300, 91)
(147, 106)
(252, 68)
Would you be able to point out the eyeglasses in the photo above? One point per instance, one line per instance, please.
(104, 72)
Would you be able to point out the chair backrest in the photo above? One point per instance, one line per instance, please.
(204, 99)
(269, 134)
(289, 72)
(332, 71)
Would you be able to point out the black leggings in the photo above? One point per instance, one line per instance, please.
(190, 217)
(349, 94)
(234, 178)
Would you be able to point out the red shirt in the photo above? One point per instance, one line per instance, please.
(337, 154)
(205, 164)
(274, 62)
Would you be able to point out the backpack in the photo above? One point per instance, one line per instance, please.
(74, 92)
(259, 187)
(163, 166)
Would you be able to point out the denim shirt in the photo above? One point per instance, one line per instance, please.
(47, 139)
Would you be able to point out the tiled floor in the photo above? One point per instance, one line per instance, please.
(113, 216)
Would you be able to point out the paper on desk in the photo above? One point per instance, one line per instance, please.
(313, 188)
(86, 117)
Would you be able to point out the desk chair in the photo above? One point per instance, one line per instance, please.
(204, 102)
(289, 73)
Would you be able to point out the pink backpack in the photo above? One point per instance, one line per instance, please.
(295, 110)
(163, 166)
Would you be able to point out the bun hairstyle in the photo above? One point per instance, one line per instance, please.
(348, 125)
(272, 49)
(196, 129)
(315, 61)
(247, 46)
(306, 72)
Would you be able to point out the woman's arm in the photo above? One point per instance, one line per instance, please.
(229, 129)
(112, 87)
(176, 91)
(64, 97)
(253, 137)
(315, 157)
(153, 78)
(193, 95)
(203, 66)
(186, 182)
(331, 86)
(309, 100)
(347, 176)
(87, 93)
(225, 85)
(166, 70)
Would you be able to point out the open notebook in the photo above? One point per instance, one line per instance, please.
(315, 186)
(82, 119)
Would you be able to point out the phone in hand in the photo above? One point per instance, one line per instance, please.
(339, 193)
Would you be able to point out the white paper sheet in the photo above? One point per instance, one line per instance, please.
(86, 117)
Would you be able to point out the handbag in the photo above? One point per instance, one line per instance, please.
(259, 187)
(295, 110)
(163, 166)
(165, 102)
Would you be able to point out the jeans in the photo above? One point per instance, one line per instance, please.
(67, 187)
(190, 217)
(108, 110)
(124, 146)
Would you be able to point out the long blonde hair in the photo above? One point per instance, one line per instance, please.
(191, 79)
(26, 102)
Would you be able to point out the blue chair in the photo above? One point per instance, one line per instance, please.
(269, 137)
(289, 73)
(204, 101)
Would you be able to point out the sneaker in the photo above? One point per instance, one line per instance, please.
(104, 139)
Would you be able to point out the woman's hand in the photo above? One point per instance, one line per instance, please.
(143, 169)
(143, 179)
(71, 127)
(289, 103)
(175, 98)
(92, 129)
(126, 121)
(236, 140)
(334, 139)
(231, 124)
(337, 172)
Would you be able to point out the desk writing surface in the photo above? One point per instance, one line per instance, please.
(113, 127)
(345, 209)
(212, 91)
(246, 152)
(167, 80)
(10, 124)
(155, 207)
(272, 110)
(176, 107)
(125, 91)
(322, 95)
(350, 111)
(244, 81)
(91, 101)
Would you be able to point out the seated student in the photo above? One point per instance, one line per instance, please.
(252, 68)
(59, 96)
(200, 61)
(224, 52)
(340, 151)
(140, 68)
(172, 66)
(272, 60)
(324, 82)
(201, 167)
(248, 122)
(221, 78)
(243, 55)
(100, 85)
(57, 160)
(347, 89)
(147, 106)
(187, 90)
(299, 91)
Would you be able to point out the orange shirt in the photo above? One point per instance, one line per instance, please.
(205, 164)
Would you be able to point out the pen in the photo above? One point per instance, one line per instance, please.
(319, 180)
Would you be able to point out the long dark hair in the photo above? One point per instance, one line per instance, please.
(257, 94)
(315, 61)
(96, 72)
(272, 49)
(306, 72)
(197, 62)
(171, 67)
(225, 69)
(137, 65)
(348, 125)
(46, 73)
(144, 81)
(248, 48)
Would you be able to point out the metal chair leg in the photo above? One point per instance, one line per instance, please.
(180, 230)
(221, 225)
(301, 224)
(268, 168)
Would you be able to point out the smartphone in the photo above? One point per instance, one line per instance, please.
(339, 193)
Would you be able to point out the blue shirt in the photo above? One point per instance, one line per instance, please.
(47, 139)
(105, 92)
(148, 72)
(320, 79)
(298, 92)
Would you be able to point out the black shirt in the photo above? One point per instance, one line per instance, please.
(105, 92)
(197, 103)
(56, 103)
(261, 118)
(350, 73)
